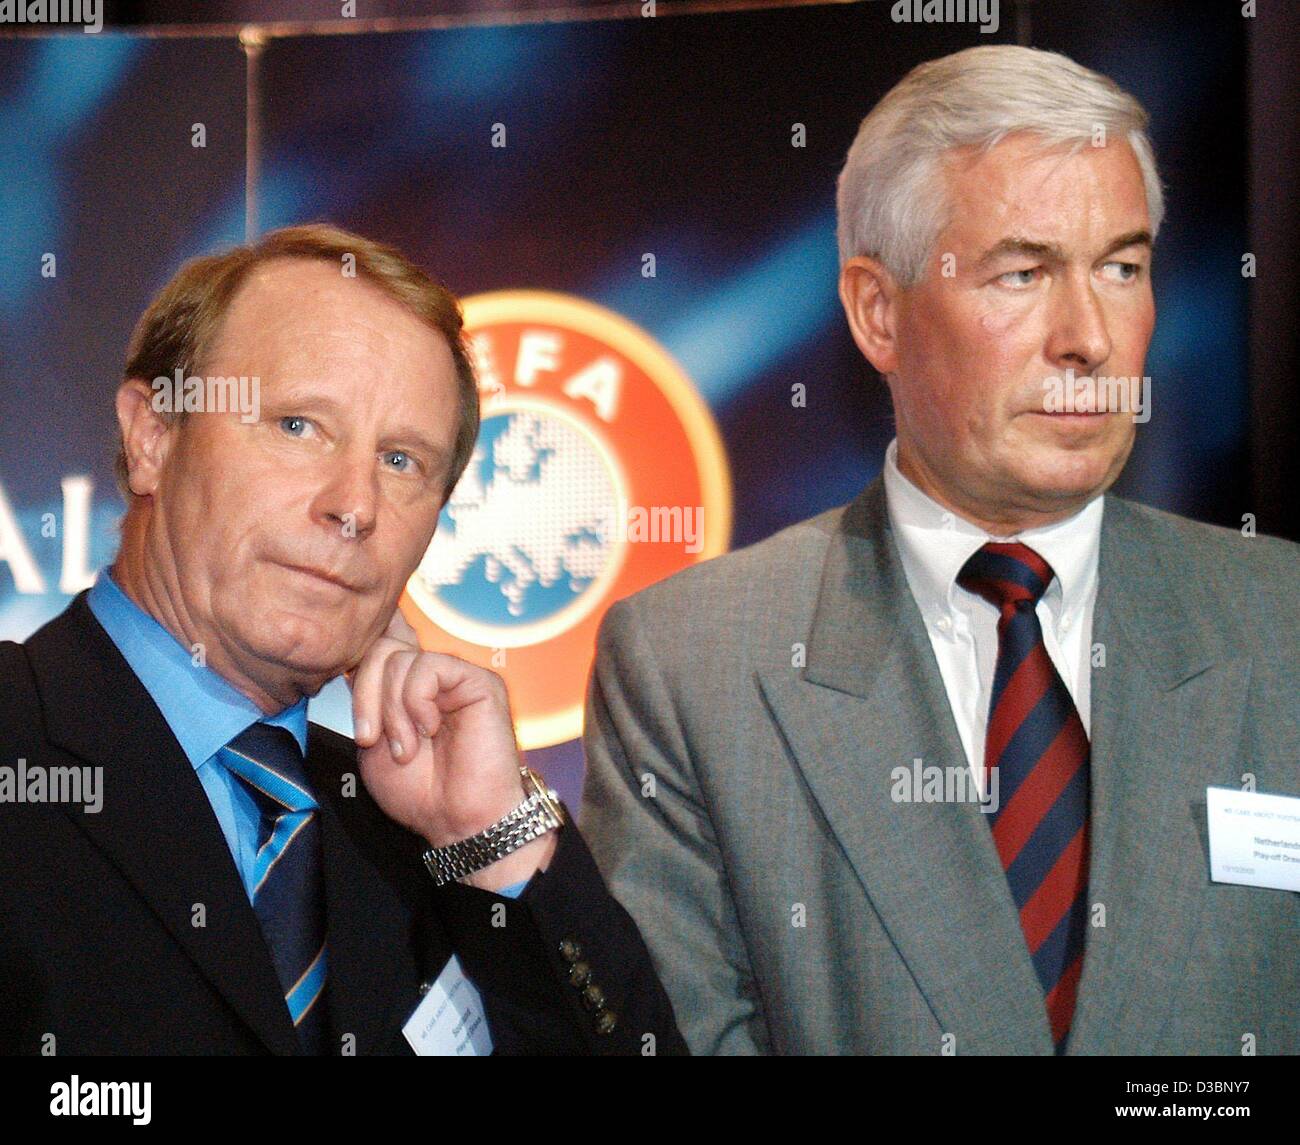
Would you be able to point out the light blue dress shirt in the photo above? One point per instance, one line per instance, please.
(204, 713)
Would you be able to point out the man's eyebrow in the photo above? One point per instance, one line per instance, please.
(1021, 246)
(1052, 252)
(307, 400)
(438, 453)
(1133, 238)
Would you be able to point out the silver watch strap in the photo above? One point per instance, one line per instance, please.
(530, 820)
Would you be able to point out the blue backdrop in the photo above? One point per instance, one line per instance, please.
(669, 136)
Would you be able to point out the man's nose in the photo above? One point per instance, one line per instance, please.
(1079, 336)
(349, 496)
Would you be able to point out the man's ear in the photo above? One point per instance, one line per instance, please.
(145, 435)
(869, 294)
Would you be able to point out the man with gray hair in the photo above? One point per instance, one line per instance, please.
(957, 768)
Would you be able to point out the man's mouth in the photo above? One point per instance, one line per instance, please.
(1074, 415)
(323, 576)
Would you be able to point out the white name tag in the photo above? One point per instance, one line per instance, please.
(1254, 838)
(450, 1021)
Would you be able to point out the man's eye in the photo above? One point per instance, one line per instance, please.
(400, 462)
(1128, 271)
(294, 426)
(1019, 277)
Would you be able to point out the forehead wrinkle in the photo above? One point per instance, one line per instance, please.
(995, 196)
(300, 292)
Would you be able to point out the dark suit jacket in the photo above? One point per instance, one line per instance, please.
(99, 946)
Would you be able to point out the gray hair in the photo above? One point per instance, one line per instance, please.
(891, 200)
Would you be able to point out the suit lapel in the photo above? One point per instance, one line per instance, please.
(1166, 721)
(871, 700)
(156, 824)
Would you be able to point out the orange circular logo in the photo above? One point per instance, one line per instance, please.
(598, 471)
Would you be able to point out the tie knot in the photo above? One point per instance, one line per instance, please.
(1006, 574)
(268, 759)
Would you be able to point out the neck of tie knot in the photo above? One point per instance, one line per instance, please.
(268, 760)
(1008, 576)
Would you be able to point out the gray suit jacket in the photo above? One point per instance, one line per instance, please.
(743, 721)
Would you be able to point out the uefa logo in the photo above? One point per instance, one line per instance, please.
(598, 471)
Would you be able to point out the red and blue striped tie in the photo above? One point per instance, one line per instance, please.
(1037, 744)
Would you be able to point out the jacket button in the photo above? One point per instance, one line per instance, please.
(570, 951)
(579, 974)
(593, 997)
(606, 1020)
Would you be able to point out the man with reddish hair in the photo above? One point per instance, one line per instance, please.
(237, 891)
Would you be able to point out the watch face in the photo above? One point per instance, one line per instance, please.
(548, 796)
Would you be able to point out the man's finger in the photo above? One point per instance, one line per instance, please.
(367, 691)
(399, 728)
(420, 691)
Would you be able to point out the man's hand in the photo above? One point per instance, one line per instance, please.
(438, 750)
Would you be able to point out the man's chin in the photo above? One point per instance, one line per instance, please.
(306, 653)
(309, 673)
(1060, 482)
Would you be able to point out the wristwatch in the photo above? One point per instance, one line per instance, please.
(540, 812)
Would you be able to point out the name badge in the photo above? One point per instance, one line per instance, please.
(450, 1021)
(1254, 838)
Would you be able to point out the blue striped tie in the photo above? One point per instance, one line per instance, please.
(288, 892)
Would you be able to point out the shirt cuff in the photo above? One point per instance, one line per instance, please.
(514, 890)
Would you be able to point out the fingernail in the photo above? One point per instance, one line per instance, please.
(395, 746)
(363, 729)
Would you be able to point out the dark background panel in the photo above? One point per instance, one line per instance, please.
(668, 136)
(673, 137)
(98, 169)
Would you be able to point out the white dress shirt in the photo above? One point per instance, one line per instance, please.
(963, 627)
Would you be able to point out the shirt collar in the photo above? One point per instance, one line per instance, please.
(935, 543)
(204, 711)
